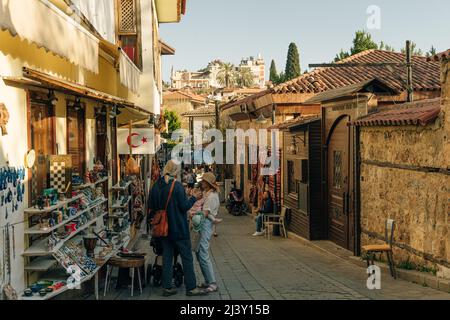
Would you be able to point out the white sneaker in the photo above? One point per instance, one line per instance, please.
(258, 234)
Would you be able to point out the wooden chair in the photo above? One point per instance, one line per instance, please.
(370, 250)
(276, 220)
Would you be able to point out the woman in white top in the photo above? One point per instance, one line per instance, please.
(210, 208)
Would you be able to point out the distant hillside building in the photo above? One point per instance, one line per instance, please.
(182, 102)
(258, 68)
(206, 78)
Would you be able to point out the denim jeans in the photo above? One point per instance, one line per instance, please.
(184, 247)
(203, 252)
(259, 222)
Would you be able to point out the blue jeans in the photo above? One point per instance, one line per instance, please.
(203, 252)
(259, 222)
(184, 247)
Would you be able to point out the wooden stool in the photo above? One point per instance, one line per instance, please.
(124, 263)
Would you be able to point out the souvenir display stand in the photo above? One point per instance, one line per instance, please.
(120, 217)
(69, 241)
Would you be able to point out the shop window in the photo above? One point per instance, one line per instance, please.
(42, 140)
(292, 183)
(76, 144)
(304, 175)
(337, 169)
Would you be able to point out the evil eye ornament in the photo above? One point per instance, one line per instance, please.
(9, 197)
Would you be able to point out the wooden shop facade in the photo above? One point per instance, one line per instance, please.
(341, 95)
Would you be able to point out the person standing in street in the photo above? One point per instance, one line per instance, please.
(210, 207)
(179, 236)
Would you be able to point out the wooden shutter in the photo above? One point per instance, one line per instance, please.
(127, 17)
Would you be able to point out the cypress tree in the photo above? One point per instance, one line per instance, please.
(273, 73)
(293, 63)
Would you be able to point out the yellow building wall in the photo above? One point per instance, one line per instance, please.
(14, 55)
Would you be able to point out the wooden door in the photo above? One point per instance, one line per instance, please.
(114, 156)
(43, 142)
(76, 145)
(339, 184)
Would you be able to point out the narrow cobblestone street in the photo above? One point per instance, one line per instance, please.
(256, 268)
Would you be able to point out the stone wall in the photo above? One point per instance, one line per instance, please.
(405, 177)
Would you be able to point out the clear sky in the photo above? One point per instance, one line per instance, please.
(232, 29)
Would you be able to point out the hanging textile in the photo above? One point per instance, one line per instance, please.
(129, 73)
(42, 23)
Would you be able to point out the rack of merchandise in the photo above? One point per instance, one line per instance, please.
(52, 229)
(120, 213)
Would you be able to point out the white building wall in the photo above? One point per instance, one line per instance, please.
(101, 13)
(148, 92)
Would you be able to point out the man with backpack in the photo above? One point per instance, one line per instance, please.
(169, 206)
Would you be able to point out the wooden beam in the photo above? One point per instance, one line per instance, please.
(349, 65)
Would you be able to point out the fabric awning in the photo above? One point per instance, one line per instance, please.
(34, 78)
(129, 73)
(42, 23)
(130, 114)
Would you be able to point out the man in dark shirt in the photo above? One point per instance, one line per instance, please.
(267, 208)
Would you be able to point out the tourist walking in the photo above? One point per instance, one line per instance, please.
(210, 207)
(179, 236)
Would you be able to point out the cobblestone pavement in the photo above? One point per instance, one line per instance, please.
(250, 268)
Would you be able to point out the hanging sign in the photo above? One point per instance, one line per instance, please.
(141, 141)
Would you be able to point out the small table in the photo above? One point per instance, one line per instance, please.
(124, 263)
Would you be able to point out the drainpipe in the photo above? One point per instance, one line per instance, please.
(276, 229)
(358, 192)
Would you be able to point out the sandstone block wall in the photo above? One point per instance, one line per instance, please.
(405, 177)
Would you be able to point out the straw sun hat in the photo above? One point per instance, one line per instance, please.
(172, 169)
(210, 178)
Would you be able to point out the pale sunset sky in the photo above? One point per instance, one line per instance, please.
(232, 29)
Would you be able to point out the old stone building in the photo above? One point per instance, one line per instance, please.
(405, 176)
(181, 102)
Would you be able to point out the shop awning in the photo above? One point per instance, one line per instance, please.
(34, 78)
(42, 23)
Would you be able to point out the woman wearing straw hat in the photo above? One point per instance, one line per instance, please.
(210, 208)
(179, 236)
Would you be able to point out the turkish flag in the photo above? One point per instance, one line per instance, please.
(141, 141)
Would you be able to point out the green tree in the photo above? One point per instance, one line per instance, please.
(415, 51)
(274, 77)
(293, 63)
(432, 52)
(362, 42)
(282, 77)
(341, 55)
(227, 75)
(244, 77)
(174, 120)
(386, 47)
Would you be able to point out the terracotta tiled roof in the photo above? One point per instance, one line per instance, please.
(440, 56)
(426, 75)
(295, 122)
(201, 112)
(188, 95)
(416, 113)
